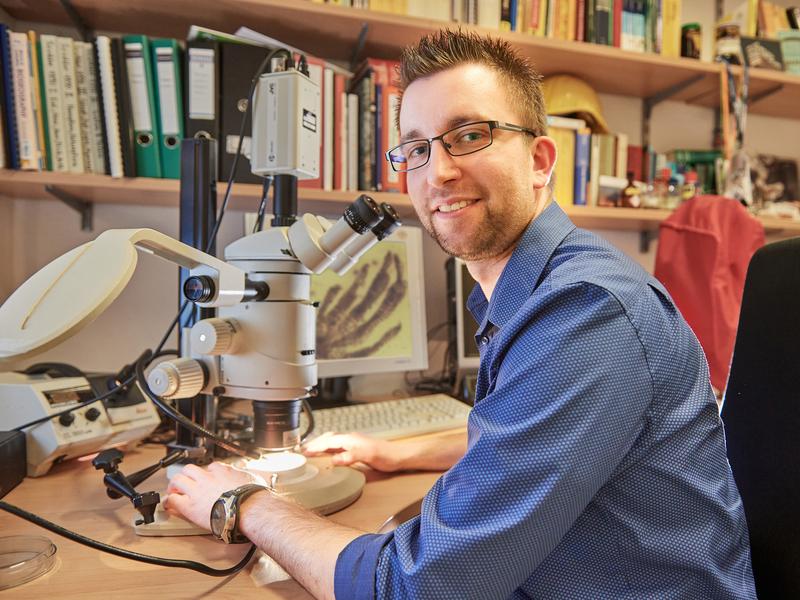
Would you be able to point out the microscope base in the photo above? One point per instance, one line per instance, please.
(329, 490)
(321, 488)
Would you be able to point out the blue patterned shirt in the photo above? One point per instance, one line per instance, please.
(596, 463)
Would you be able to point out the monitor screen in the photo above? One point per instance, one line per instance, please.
(467, 351)
(372, 319)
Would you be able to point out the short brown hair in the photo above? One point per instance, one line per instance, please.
(446, 49)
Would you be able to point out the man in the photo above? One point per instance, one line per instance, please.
(594, 465)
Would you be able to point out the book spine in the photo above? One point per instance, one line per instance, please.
(82, 89)
(71, 118)
(23, 102)
(97, 150)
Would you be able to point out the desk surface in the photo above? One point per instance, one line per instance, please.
(72, 495)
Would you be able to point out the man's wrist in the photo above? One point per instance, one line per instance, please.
(254, 505)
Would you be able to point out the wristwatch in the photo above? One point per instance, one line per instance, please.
(225, 513)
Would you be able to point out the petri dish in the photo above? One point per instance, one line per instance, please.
(23, 558)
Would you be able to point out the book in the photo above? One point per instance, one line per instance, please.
(141, 85)
(621, 156)
(38, 103)
(762, 53)
(564, 172)
(82, 83)
(54, 103)
(127, 135)
(671, 28)
(582, 155)
(166, 57)
(98, 153)
(790, 49)
(11, 134)
(72, 123)
(27, 137)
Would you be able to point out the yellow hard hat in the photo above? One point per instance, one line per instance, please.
(567, 95)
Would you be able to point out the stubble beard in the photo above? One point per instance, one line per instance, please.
(497, 231)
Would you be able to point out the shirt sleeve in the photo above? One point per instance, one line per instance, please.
(569, 388)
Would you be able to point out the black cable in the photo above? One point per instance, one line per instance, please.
(176, 416)
(310, 414)
(262, 207)
(146, 558)
(102, 396)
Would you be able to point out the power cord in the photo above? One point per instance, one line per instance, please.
(146, 558)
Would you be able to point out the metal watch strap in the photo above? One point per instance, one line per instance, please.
(239, 495)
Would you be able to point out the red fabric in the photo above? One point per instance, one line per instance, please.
(704, 248)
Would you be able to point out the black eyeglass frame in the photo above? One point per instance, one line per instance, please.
(492, 126)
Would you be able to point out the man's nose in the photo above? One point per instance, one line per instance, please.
(441, 166)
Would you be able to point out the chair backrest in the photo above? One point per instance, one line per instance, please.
(704, 248)
(761, 412)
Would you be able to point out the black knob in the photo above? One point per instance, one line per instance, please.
(92, 414)
(66, 419)
(199, 288)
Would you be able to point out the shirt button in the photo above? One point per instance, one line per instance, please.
(484, 340)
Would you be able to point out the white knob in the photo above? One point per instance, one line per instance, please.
(178, 378)
(213, 336)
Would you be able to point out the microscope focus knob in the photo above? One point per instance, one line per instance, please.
(214, 336)
(178, 378)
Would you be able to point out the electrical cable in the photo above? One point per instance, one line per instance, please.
(102, 396)
(262, 207)
(188, 423)
(310, 414)
(146, 558)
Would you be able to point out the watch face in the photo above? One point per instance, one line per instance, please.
(218, 518)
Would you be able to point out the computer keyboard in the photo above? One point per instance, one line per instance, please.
(392, 419)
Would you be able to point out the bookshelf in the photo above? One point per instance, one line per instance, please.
(331, 31)
(164, 192)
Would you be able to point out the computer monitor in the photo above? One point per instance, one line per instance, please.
(371, 320)
(467, 355)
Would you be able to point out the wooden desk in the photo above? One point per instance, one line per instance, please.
(73, 495)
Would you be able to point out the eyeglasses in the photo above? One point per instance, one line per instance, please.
(461, 140)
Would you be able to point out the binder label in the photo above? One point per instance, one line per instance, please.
(201, 84)
(137, 82)
(167, 94)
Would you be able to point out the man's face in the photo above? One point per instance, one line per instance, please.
(475, 206)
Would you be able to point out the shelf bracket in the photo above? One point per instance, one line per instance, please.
(645, 238)
(86, 32)
(362, 39)
(86, 209)
(647, 111)
(768, 92)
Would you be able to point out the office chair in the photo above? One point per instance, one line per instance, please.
(761, 412)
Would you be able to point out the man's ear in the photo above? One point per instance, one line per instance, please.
(543, 152)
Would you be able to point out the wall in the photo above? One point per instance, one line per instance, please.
(34, 232)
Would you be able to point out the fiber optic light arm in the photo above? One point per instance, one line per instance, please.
(75, 288)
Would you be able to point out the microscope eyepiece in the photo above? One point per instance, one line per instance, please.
(198, 288)
(362, 214)
(389, 222)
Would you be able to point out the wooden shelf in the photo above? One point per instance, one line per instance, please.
(330, 31)
(144, 191)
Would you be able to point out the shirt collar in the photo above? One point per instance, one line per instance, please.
(524, 269)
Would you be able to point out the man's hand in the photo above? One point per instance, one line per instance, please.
(435, 453)
(349, 448)
(193, 491)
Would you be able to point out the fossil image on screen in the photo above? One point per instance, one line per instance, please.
(365, 312)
